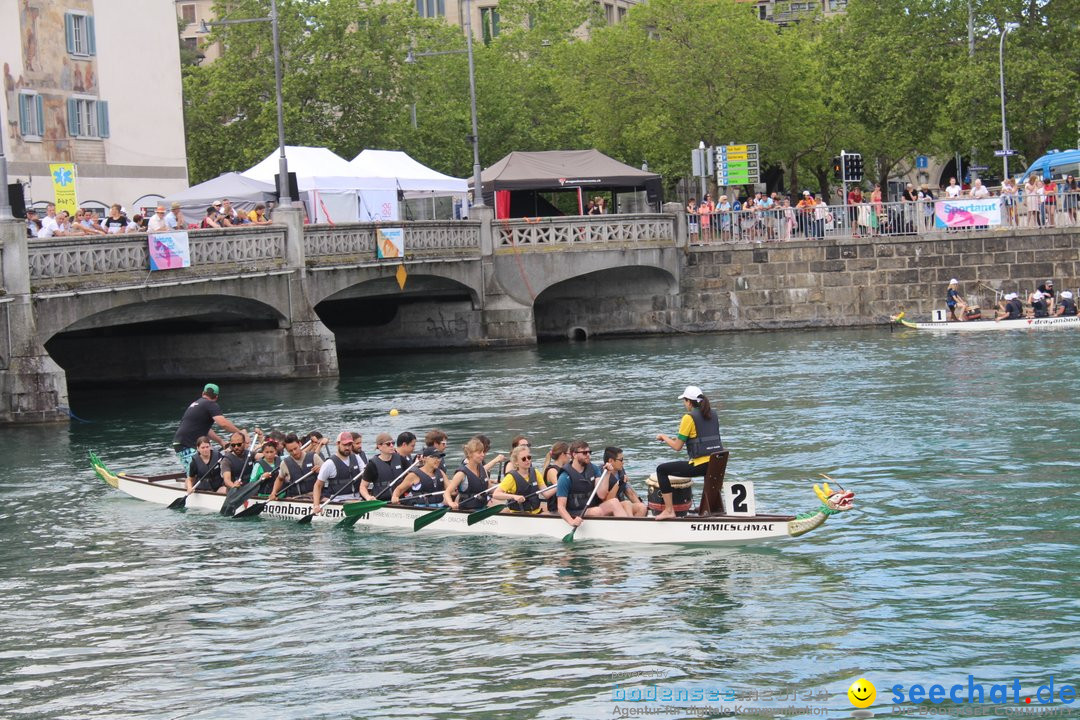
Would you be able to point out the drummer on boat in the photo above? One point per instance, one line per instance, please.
(953, 300)
(699, 433)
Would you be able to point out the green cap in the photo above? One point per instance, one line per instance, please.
(211, 388)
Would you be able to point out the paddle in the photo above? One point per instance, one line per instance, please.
(237, 496)
(181, 502)
(569, 537)
(258, 507)
(356, 510)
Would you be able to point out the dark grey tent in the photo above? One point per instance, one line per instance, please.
(513, 185)
(243, 192)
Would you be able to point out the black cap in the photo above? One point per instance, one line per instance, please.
(432, 451)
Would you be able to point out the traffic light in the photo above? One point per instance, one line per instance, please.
(838, 168)
(852, 163)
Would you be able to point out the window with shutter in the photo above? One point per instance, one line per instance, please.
(31, 116)
(73, 117)
(79, 34)
(102, 119)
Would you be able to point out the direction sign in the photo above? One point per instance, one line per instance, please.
(1004, 153)
(978, 168)
(737, 164)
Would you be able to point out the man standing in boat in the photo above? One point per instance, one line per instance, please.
(198, 420)
(699, 433)
(337, 473)
(954, 299)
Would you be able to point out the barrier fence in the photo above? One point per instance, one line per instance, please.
(884, 219)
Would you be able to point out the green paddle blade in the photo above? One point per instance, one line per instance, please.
(237, 497)
(425, 520)
(484, 514)
(350, 521)
(569, 537)
(357, 509)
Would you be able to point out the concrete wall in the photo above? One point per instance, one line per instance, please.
(859, 282)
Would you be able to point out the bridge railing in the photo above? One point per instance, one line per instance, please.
(357, 242)
(586, 230)
(113, 259)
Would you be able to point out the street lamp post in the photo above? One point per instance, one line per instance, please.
(478, 195)
(5, 201)
(1004, 129)
(283, 163)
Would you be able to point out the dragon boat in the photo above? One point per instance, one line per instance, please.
(1063, 322)
(704, 528)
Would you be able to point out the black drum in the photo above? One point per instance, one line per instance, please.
(682, 495)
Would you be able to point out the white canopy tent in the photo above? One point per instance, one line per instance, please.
(420, 186)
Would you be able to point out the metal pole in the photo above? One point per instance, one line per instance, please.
(1004, 129)
(283, 163)
(5, 201)
(478, 193)
(972, 162)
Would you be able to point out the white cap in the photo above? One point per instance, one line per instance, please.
(1010, 296)
(1067, 294)
(954, 281)
(692, 392)
(1036, 295)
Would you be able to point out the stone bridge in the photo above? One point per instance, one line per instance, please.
(283, 300)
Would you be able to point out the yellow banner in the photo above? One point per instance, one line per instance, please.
(737, 156)
(63, 181)
(736, 149)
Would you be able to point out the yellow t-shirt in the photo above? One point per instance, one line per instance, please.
(688, 430)
(509, 485)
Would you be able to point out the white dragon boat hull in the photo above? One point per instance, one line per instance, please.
(1048, 323)
(711, 530)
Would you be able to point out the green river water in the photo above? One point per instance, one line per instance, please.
(960, 560)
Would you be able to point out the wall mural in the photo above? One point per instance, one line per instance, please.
(48, 68)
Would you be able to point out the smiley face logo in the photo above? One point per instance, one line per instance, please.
(862, 693)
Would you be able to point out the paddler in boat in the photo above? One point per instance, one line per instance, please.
(405, 446)
(205, 464)
(437, 439)
(336, 474)
(575, 487)
(1012, 310)
(423, 484)
(467, 489)
(1038, 304)
(624, 491)
(382, 469)
(198, 421)
(953, 300)
(699, 433)
(1067, 305)
(560, 455)
(237, 458)
(358, 448)
(294, 465)
(266, 468)
(523, 489)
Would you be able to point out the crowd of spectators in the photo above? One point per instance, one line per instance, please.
(88, 221)
(775, 216)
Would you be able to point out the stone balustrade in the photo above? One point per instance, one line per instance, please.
(587, 230)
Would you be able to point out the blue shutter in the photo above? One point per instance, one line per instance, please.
(69, 32)
(91, 42)
(102, 119)
(73, 117)
(24, 115)
(40, 115)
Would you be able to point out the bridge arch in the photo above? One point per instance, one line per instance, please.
(376, 313)
(185, 336)
(615, 301)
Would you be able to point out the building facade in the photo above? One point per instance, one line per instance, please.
(485, 13)
(95, 83)
(786, 12)
(192, 13)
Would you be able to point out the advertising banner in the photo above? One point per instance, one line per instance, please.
(169, 250)
(389, 243)
(63, 182)
(974, 212)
